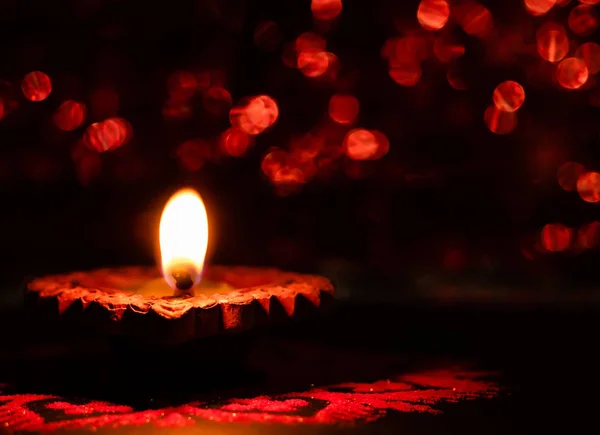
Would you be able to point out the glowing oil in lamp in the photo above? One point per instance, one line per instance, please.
(183, 239)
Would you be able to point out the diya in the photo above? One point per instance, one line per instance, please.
(184, 300)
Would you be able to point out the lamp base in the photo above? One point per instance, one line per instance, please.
(107, 301)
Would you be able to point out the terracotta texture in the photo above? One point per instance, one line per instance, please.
(100, 300)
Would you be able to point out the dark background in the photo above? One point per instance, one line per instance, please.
(451, 212)
(450, 203)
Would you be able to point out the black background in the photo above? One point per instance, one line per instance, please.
(443, 187)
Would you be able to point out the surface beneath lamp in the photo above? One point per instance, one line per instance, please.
(159, 288)
(385, 369)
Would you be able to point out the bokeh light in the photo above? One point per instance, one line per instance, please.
(235, 142)
(498, 121)
(572, 73)
(124, 128)
(333, 67)
(404, 57)
(326, 9)
(441, 137)
(590, 54)
(568, 174)
(343, 109)
(108, 135)
(538, 7)
(315, 146)
(474, 18)
(556, 237)
(360, 144)
(36, 86)
(288, 175)
(588, 235)
(70, 115)
(552, 42)
(273, 160)
(283, 170)
(433, 14)
(588, 186)
(509, 96)
(583, 20)
(255, 117)
(262, 112)
(309, 40)
(383, 144)
(406, 74)
(288, 180)
(313, 62)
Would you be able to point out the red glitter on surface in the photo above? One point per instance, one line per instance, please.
(88, 408)
(347, 403)
(264, 404)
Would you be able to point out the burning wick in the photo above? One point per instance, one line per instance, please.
(184, 277)
(183, 241)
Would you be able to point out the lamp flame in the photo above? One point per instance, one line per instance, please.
(183, 240)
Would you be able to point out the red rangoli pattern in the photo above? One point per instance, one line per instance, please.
(343, 403)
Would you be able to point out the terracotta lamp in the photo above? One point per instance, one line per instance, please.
(185, 298)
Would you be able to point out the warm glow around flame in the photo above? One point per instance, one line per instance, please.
(183, 235)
